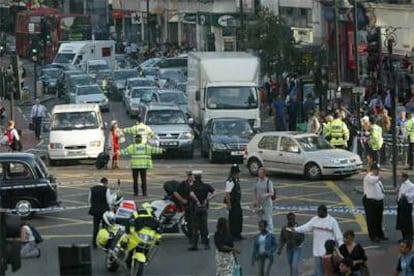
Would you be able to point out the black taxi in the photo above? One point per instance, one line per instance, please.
(25, 183)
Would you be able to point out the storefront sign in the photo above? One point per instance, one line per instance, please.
(190, 18)
(216, 19)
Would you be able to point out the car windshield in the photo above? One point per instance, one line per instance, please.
(88, 90)
(165, 117)
(232, 127)
(123, 75)
(232, 98)
(172, 97)
(64, 58)
(94, 68)
(74, 121)
(144, 94)
(42, 166)
(141, 82)
(314, 143)
(51, 74)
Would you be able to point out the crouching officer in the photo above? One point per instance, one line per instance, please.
(200, 193)
(182, 194)
(141, 161)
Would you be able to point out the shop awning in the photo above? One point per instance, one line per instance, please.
(174, 19)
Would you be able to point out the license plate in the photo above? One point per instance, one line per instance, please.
(78, 152)
(169, 144)
(235, 153)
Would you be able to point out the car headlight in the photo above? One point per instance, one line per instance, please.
(96, 143)
(219, 146)
(187, 135)
(56, 146)
(145, 237)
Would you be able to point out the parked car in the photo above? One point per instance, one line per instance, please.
(299, 153)
(119, 78)
(93, 94)
(173, 96)
(25, 183)
(172, 128)
(138, 97)
(51, 78)
(136, 82)
(225, 139)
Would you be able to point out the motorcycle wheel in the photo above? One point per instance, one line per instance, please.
(137, 268)
(184, 227)
(111, 265)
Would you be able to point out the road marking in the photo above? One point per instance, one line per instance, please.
(359, 218)
(62, 225)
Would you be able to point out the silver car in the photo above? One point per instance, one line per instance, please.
(138, 97)
(299, 153)
(90, 94)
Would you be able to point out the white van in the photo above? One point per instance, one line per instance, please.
(77, 131)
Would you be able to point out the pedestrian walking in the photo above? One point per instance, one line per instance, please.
(264, 249)
(225, 251)
(279, 107)
(140, 129)
(405, 264)
(405, 199)
(354, 252)
(201, 194)
(293, 241)
(262, 198)
(183, 195)
(37, 114)
(13, 137)
(373, 201)
(117, 138)
(140, 161)
(331, 259)
(233, 202)
(99, 200)
(324, 227)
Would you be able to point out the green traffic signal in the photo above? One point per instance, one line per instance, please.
(34, 51)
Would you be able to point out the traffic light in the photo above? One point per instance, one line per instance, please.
(211, 42)
(374, 48)
(44, 30)
(9, 249)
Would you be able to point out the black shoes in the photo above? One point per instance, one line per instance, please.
(192, 248)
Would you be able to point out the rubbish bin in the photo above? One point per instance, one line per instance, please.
(75, 259)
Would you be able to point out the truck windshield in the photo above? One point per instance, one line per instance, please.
(231, 98)
(64, 58)
(74, 121)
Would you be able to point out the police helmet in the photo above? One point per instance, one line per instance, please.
(234, 169)
(139, 119)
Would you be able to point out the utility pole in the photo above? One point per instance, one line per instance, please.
(241, 35)
(148, 26)
(394, 95)
(337, 46)
(356, 58)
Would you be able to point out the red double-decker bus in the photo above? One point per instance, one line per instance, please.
(63, 27)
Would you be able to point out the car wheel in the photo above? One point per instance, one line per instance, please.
(211, 156)
(254, 165)
(312, 171)
(23, 207)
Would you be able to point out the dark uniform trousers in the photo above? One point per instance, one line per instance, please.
(189, 216)
(373, 212)
(411, 155)
(200, 226)
(98, 206)
(236, 219)
(143, 174)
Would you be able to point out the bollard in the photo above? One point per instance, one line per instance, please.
(75, 259)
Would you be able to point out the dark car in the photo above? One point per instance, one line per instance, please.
(25, 183)
(226, 138)
(51, 78)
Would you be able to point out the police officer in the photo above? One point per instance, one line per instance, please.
(141, 129)
(140, 154)
(410, 131)
(99, 200)
(339, 132)
(182, 194)
(375, 141)
(200, 193)
(233, 202)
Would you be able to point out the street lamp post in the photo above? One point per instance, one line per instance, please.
(337, 46)
(241, 34)
(358, 96)
(148, 26)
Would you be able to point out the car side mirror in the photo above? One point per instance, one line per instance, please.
(197, 95)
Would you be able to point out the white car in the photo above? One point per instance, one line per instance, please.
(90, 94)
(299, 153)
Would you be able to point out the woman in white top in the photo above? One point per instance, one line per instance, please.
(29, 247)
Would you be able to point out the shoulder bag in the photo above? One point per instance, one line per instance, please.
(274, 196)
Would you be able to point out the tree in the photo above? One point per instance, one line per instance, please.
(274, 42)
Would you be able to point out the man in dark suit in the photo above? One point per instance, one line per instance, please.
(99, 200)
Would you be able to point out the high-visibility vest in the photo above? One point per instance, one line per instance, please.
(140, 155)
(375, 140)
(141, 129)
(339, 133)
(410, 129)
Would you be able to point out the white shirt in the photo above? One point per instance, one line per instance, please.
(373, 188)
(324, 229)
(108, 196)
(407, 189)
(38, 110)
(229, 186)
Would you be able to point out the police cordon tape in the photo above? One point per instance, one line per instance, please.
(357, 210)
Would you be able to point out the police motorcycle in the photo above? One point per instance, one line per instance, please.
(169, 212)
(137, 239)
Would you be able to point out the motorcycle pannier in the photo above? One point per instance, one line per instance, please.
(102, 238)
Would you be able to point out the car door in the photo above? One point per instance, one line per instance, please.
(4, 190)
(20, 180)
(267, 147)
(289, 155)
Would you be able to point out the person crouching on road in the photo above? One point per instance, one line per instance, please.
(264, 249)
(141, 161)
(100, 200)
(140, 129)
(29, 247)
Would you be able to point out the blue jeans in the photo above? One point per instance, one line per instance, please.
(318, 266)
(294, 256)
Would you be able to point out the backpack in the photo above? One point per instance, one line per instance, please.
(36, 234)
